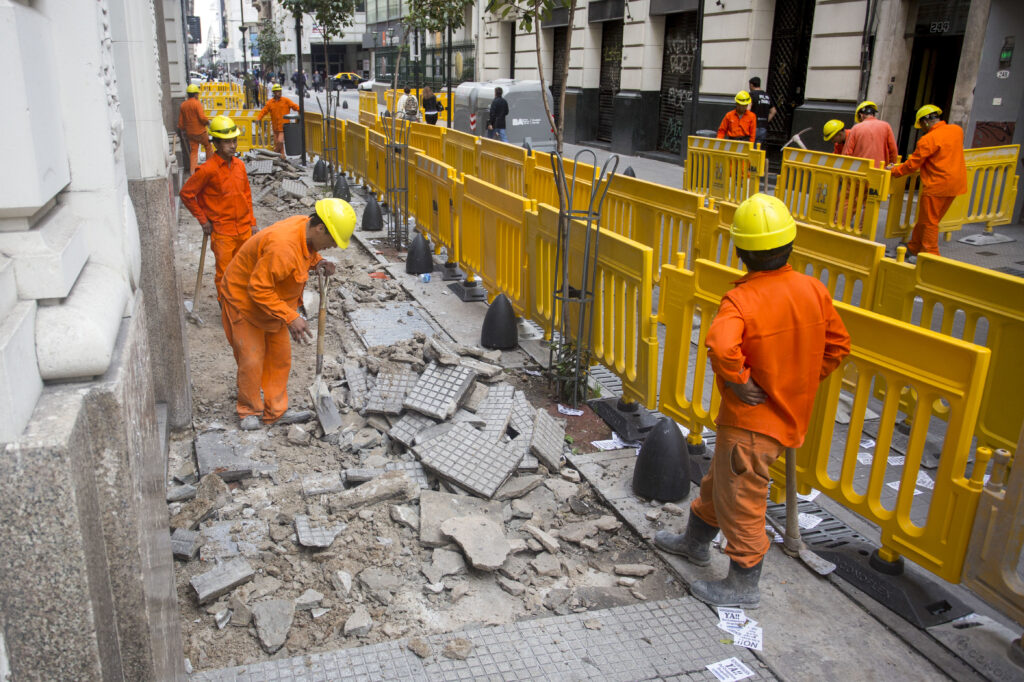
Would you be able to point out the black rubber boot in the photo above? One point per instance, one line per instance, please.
(694, 545)
(738, 589)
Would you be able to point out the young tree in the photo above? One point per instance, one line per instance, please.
(437, 16)
(269, 44)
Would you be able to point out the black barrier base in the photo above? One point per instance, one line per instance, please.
(468, 292)
(632, 424)
(451, 273)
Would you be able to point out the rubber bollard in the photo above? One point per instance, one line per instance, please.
(662, 470)
(499, 331)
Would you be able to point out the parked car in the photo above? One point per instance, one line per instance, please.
(196, 78)
(367, 84)
(346, 80)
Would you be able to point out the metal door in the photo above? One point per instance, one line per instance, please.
(677, 66)
(560, 56)
(611, 69)
(787, 65)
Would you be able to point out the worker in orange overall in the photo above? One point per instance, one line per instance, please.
(939, 156)
(219, 197)
(775, 337)
(192, 123)
(740, 123)
(262, 288)
(278, 106)
(835, 132)
(871, 138)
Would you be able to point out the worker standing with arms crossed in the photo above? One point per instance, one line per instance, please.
(219, 196)
(775, 337)
(740, 123)
(871, 138)
(192, 122)
(278, 107)
(939, 155)
(262, 288)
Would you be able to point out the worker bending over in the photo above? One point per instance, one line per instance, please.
(871, 138)
(262, 288)
(278, 107)
(775, 337)
(939, 155)
(835, 132)
(219, 197)
(740, 123)
(192, 123)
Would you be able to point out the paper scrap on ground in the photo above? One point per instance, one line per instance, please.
(569, 411)
(895, 485)
(730, 669)
(925, 481)
(897, 460)
(865, 457)
(808, 521)
(737, 628)
(532, 372)
(613, 443)
(809, 497)
(750, 638)
(867, 443)
(731, 615)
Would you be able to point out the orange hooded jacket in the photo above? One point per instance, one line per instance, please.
(939, 155)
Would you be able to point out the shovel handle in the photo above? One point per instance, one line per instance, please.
(792, 542)
(321, 322)
(199, 274)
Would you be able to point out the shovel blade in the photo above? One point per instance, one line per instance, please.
(326, 409)
(818, 564)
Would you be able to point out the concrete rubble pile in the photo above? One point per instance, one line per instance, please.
(279, 184)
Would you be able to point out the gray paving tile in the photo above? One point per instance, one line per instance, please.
(439, 390)
(409, 426)
(390, 391)
(311, 536)
(413, 470)
(260, 167)
(523, 414)
(358, 384)
(390, 324)
(495, 413)
(465, 456)
(294, 188)
(548, 440)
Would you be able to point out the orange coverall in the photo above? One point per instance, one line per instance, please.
(872, 139)
(262, 287)
(219, 192)
(733, 127)
(779, 328)
(939, 155)
(192, 119)
(278, 108)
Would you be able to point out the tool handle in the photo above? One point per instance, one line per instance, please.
(792, 543)
(199, 275)
(321, 322)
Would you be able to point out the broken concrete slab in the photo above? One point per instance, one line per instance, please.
(476, 395)
(436, 349)
(211, 495)
(465, 456)
(521, 509)
(310, 536)
(439, 390)
(359, 623)
(547, 541)
(405, 516)
(438, 507)
(548, 439)
(230, 538)
(298, 435)
(406, 429)
(365, 438)
(376, 579)
(562, 489)
(273, 619)
(577, 532)
(481, 539)
(391, 389)
(485, 370)
(241, 615)
(633, 570)
(223, 453)
(478, 352)
(513, 587)
(308, 600)
(221, 579)
(495, 413)
(181, 493)
(413, 470)
(608, 523)
(185, 544)
(359, 476)
(391, 485)
(547, 565)
(513, 567)
(341, 581)
(517, 486)
(321, 484)
(358, 384)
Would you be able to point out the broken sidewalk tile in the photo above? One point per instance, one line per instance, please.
(438, 507)
(184, 544)
(358, 385)
(465, 457)
(523, 415)
(231, 538)
(414, 470)
(310, 599)
(315, 537)
(495, 413)
(475, 396)
(273, 619)
(358, 476)
(485, 370)
(294, 188)
(482, 540)
(431, 432)
(391, 485)
(406, 428)
(221, 453)
(517, 486)
(437, 349)
(259, 167)
(390, 391)
(181, 493)
(548, 441)
(221, 579)
(633, 570)
(211, 494)
(547, 541)
(359, 623)
(322, 484)
(440, 390)
(504, 391)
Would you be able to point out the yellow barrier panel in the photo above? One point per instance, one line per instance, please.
(434, 207)
(540, 182)
(368, 102)
(376, 162)
(990, 199)
(460, 151)
(253, 133)
(504, 165)
(336, 139)
(356, 153)
(428, 138)
(974, 304)
(492, 238)
(729, 170)
(313, 124)
(841, 193)
(624, 336)
(936, 368)
(662, 218)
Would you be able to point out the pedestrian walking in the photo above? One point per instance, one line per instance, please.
(496, 114)
(262, 288)
(431, 107)
(277, 106)
(763, 106)
(871, 137)
(775, 337)
(219, 196)
(192, 124)
(739, 123)
(408, 106)
(939, 156)
(316, 81)
(834, 131)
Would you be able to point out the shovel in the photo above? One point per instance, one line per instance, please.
(193, 316)
(326, 410)
(792, 544)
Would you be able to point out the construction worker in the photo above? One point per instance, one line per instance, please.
(775, 337)
(740, 123)
(278, 106)
(763, 106)
(192, 124)
(219, 197)
(871, 138)
(835, 132)
(262, 288)
(939, 156)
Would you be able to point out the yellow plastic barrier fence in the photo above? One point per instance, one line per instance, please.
(313, 124)
(492, 236)
(428, 138)
(974, 304)
(990, 199)
(840, 193)
(356, 153)
(540, 183)
(729, 170)
(254, 134)
(376, 162)
(336, 138)
(504, 165)
(434, 206)
(624, 335)
(662, 218)
(938, 370)
(460, 151)
(368, 102)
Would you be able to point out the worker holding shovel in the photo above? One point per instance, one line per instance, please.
(775, 337)
(262, 288)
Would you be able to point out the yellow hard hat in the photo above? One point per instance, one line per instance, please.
(832, 128)
(743, 97)
(339, 219)
(276, 87)
(762, 222)
(192, 88)
(223, 128)
(926, 110)
(864, 105)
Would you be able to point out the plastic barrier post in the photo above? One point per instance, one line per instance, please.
(729, 170)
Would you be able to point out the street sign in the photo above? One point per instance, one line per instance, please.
(195, 36)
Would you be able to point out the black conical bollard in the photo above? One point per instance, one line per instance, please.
(372, 219)
(662, 470)
(629, 172)
(499, 331)
(341, 190)
(419, 261)
(344, 104)
(320, 171)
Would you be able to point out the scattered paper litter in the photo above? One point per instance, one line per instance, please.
(895, 485)
(736, 628)
(897, 460)
(730, 669)
(865, 457)
(731, 615)
(615, 443)
(750, 638)
(809, 497)
(925, 481)
(808, 521)
(569, 411)
(867, 443)
(532, 372)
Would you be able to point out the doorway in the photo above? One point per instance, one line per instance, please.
(787, 64)
(611, 72)
(934, 61)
